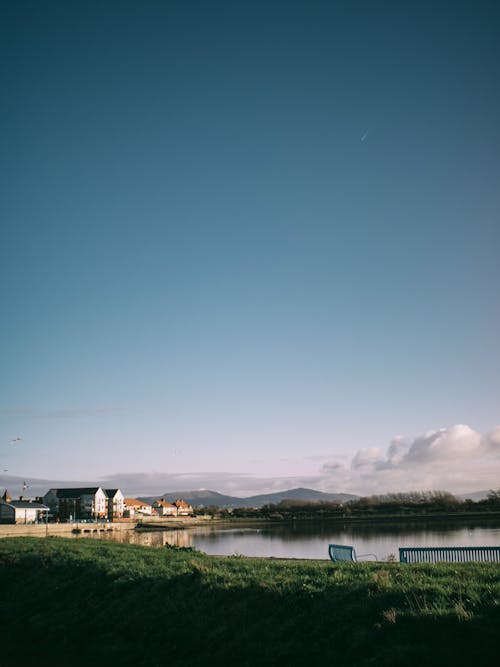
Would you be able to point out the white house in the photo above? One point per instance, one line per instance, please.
(135, 506)
(22, 511)
(163, 508)
(183, 508)
(177, 508)
(77, 503)
(115, 503)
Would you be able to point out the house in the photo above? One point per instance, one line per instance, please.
(22, 510)
(114, 505)
(177, 508)
(183, 509)
(133, 506)
(162, 508)
(77, 503)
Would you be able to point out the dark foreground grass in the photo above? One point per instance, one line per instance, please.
(69, 603)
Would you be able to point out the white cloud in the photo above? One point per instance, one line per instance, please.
(446, 444)
(492, 440)
(397, 451)
(457, 459)
(367, 457)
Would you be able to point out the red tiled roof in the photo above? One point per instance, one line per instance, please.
(134, 502)
(162, 503)
(181, 503)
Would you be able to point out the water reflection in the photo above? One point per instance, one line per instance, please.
(153, 538)
(311, 539)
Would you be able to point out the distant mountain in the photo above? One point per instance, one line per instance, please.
(200, 497)
(137, 485)
(204, 497)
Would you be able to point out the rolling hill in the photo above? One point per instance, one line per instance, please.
(204, 497)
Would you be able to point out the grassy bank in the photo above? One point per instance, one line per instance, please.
(71, 603)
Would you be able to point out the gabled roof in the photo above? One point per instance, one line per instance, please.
(134, 502)
(181, 503)
(26, 504)
(162, 503)
(111, 493)
(76, 492)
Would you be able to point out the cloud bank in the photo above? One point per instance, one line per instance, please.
(157, 484)
(456, 459)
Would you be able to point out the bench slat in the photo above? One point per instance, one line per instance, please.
(449, 554)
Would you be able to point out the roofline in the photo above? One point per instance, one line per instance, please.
(26, 505)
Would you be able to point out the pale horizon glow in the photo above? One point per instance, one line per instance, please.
(456, 459)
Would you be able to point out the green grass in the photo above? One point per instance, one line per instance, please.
(78, 602)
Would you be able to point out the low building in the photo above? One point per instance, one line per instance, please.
(177, 508)
(183, 508)
(22, 510)
(134, 506)
(77, 503)
(163, 508)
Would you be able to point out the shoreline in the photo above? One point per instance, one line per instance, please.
(185, 523)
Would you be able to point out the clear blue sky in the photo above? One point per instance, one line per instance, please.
(249, 237)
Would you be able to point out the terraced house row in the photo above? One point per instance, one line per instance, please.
(135, 507)
(81, 503)
(85, 503)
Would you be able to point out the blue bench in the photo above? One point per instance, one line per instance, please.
(341, 553)
(449, 554)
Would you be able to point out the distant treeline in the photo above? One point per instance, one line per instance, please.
(403, 504)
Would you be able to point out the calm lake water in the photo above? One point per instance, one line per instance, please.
(311, 539)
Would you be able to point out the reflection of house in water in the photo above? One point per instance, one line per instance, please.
(178, 538)
(152, 538)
